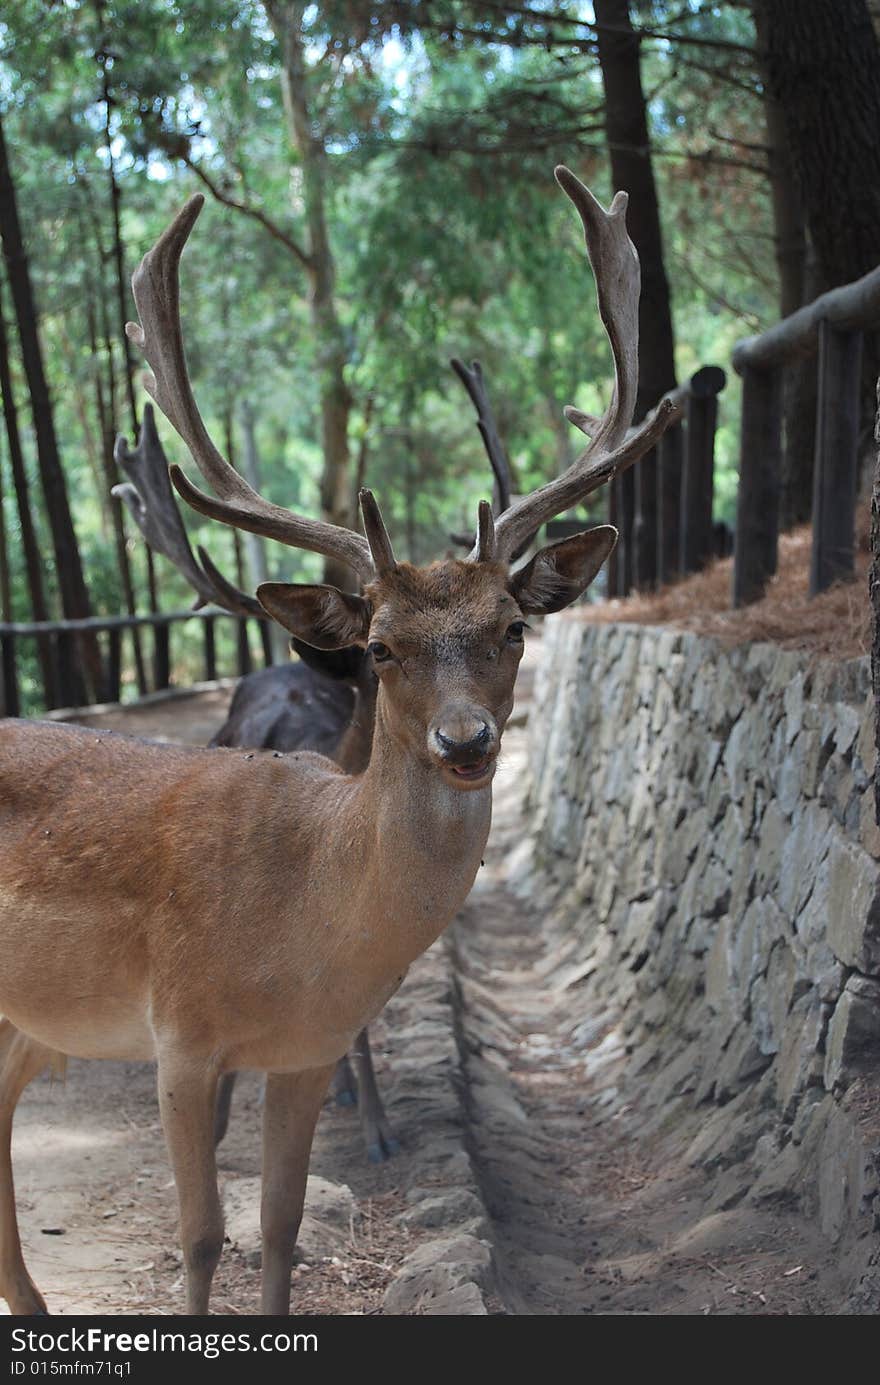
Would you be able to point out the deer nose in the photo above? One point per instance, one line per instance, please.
(478, 743)
(463, 738)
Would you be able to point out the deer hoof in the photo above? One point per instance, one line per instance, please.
(385, 1147)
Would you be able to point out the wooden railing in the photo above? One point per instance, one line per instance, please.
(832, 328)
(66, 683)
(663, 507)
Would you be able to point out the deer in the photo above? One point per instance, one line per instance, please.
(324, 702)
(213, 910)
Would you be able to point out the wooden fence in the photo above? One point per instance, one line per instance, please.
(663, 506)
(831, 328)
(65, 682)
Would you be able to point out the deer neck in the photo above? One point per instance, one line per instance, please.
(427, 837)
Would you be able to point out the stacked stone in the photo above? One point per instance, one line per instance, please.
(704, 822)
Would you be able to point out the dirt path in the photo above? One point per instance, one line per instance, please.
(588, 1213)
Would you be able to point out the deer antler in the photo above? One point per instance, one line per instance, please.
(156, 288)
(616, 269)
(150, 499)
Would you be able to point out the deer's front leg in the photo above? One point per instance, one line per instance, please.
(290, 1113)
(187, 1092)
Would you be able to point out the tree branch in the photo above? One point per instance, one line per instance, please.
(247, 210)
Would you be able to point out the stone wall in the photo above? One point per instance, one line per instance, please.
(704, 831)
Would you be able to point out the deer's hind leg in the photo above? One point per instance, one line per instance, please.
(379, 1139)
(21, 1059)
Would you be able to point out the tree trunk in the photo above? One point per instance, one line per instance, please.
(121, 295)
(331, 354)
(823, 68)
(106, 411)
(128, 366)
(626, 127)
(363, 452)
(5, 579)
(71, 581)
(258, 562)
(30, 545)
(790, 248)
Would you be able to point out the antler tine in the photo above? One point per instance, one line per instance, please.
(156, 288)
(616, 269)
(223, 593)
(472, 379)
(485, 533)
(377, 534)
(150, 500)
(615, 265)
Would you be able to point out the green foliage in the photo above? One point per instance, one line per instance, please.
(449, 234)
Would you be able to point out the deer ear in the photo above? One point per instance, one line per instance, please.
(320, 616)
(557, 575)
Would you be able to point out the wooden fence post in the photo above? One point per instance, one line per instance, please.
(835, 475)
(698, 483)
(244, 650)
(626, 496)
(669, 485)
(11, 704)
(644, 563)
(210, 650)
(114, 663)
(613, 577)
(265, 630)
(760, 469)
(67, 680)
(161, 655)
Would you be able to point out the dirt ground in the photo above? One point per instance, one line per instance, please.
(588, 1213)
(585, 1215)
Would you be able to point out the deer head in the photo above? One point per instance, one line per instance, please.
(445, 640)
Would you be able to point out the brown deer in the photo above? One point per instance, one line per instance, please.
(217, 912)
(325, 702)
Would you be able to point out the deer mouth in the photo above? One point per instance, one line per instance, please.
(474, 774)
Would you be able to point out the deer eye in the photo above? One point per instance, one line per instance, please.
(380, 652)
(516, 631)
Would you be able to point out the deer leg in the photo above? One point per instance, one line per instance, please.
(380, 1140)
(21, 1059)
(344, 1086)
(187, 1098)
(225, 1088)
(290, 1113)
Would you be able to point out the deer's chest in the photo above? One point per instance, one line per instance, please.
(312, 1021)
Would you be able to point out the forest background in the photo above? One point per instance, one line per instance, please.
(380, 199)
